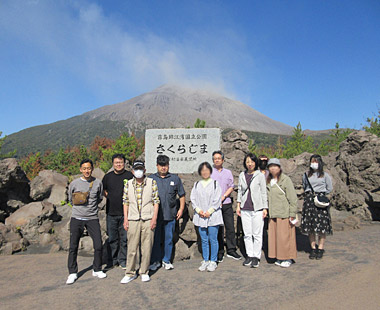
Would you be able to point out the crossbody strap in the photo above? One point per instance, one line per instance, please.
(249, 184)
(308, 181)
(280, 189)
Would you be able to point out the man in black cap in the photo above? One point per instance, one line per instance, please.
(141, 202)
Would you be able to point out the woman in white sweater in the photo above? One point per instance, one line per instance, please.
(206, 200)
(252, 206)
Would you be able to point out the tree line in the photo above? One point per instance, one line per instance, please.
(65, 160)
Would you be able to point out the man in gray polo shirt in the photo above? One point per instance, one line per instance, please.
(169, 187)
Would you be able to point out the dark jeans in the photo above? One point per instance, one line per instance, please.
(76, 231)
(229, 227)
(117, 239)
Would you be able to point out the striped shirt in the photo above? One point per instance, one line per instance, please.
(139, 190)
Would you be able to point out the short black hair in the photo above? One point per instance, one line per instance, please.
(204, 164)
(119, 156)
(162, 160)
(218, 152)
(86, 160)
(254, 158)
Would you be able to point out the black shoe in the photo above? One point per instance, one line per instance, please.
(255, 262)
(234, 255)
(220, 258)
(248, 261)
(313, 254)
(320, 254)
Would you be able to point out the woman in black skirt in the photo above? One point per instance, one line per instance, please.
(316, 222)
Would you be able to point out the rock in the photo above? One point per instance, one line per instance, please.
(14, 187)
(7, 249)
(31, 217)
(181, 251)
(23, 215)
(49, 185)
(45, 239)
(86, 244)
(187, 230)
(195, 251)
(55, 248)
(98, 173)
(352, 222)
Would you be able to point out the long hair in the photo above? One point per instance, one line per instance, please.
(320, 171)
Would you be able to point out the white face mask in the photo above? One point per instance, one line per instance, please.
(138, 173)
(314, 166)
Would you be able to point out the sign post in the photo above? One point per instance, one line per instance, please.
(186, 148)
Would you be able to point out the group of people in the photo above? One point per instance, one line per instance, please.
(142, 212)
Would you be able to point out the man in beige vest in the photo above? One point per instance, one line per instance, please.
(141, 202)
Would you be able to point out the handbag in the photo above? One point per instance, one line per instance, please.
(81, 198)
(320, 200)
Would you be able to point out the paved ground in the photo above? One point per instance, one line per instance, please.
(347, 278)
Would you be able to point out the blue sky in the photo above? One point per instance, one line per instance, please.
(311, 61)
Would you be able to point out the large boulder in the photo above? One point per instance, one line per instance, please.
(29, 218)
(14, 187)
(49, 185)
(358, 167)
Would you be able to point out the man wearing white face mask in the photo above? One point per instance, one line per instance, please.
(141, 202)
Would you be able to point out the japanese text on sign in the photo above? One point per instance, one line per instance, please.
(186, 148)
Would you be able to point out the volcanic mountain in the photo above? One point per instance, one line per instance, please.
(168, 106)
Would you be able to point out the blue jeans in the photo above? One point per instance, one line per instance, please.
(209, 236)
(164, 231)
(117, 239)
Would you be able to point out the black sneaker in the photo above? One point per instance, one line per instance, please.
(313, 254)
(320, 254)
(220, 258)
(248, 261)
(255, 262)
(234, 255)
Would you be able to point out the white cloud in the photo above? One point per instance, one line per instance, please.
(107, 57)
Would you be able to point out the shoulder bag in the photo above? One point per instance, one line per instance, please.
(320, 200)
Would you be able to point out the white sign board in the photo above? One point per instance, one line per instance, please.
(186, 148)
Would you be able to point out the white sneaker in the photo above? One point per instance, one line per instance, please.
(127, 279)
(71, 278)
(167, 266)
(278, 262)
(155, 266)
(99, 274)
(212, 266)
(203, 266)
(145, 278)
(286, 263)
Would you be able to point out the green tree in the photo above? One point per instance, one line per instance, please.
(252, 148)
(298, 143)
(332, 143)
(9, 154)
(32, 165)
(130, 146)
(373, 125)
(199, 123)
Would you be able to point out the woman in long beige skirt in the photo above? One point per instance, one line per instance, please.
(282, 200)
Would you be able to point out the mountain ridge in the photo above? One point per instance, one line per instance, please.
(168, 106)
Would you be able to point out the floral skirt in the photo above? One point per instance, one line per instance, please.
(315, 220)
